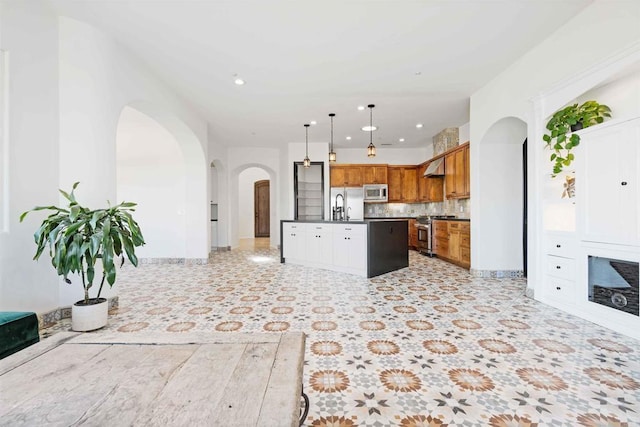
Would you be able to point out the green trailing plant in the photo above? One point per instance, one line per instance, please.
(78, 237)
(570, 119)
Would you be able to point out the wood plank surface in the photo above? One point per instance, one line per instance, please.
(189, 398)
(243, 395)
(169, 379)
(279, 403)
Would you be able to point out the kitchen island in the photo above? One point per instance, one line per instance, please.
(364, 248)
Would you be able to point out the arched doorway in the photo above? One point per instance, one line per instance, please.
(160, 165)
(261, 201)
(500, 200)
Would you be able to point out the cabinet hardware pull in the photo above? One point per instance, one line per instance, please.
(558, 267)
(558, 246)
(623, 183)
(558, 288)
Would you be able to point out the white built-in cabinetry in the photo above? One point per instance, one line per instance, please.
(560, 267)
(603, 220)
(294, 235)
(339, 247)
(350, 247)
(608, 181)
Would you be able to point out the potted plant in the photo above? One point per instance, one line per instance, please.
(77, 238)
(571, 119)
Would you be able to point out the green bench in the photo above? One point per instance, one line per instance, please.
(18, 330)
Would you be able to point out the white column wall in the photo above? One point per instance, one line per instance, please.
(566, 53)
(151, 172)
(69, 83)
(29, 34)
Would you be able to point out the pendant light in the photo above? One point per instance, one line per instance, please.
(371, 149)
(306, 163)
(332, 154)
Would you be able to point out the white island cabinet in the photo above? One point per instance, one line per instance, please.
(350, 248)
(362, 248)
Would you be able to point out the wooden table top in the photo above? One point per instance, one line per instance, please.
(190, 379)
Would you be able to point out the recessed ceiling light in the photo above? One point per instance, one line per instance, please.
(238, 81)
(419, 125)
(360, 107)
(401, 140)
(369, 128)
(313, 122)
(348, 138)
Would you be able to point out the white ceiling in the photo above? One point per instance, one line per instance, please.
(417, 61)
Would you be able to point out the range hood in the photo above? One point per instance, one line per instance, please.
(435, 168)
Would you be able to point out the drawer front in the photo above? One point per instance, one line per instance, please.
(563, 268)
(355, 230)
(465, 241)
(465, 227)
(453, 225)
(560, 289)
(319, 227)
(440, 229)
(290, 227)
(561, 246)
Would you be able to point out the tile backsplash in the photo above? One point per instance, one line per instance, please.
(459, 208)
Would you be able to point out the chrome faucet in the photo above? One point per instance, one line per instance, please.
(348, 216)
(339, 209)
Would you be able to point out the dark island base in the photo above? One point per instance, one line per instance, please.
(388, 246)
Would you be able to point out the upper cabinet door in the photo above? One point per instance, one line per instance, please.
(607, 183)
(375, 174)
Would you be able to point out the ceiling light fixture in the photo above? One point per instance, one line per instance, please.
(238, 81)
(348, 138)
(332, 154)
(401, 140)
(360, 107)
(313, 122)
(306, 162)
(371, 149)
(419, 125)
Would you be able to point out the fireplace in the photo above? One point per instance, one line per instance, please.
(614, 283)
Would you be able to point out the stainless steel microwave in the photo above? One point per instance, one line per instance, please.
(375, 192)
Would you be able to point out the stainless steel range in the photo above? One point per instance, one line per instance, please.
(424, 224)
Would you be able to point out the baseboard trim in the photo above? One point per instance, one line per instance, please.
(185, 261)
(497, 274)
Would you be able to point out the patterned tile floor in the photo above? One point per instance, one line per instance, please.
(424, 346)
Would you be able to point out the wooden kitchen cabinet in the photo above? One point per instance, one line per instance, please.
(413, 235)
(403, 183)
(430, 189)
(374, 174)
(441, 238)
(457, 173)
(346, 176)
(452, 241)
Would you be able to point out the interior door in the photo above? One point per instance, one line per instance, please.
(261, 208)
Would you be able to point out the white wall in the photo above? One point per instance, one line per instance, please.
(501, 218)
(246, 181)
(391, 156)
(464, 133)
(318, 152)
(239, 159)
(29, 35)
(566, 53)
(69, 84)
(151, 173)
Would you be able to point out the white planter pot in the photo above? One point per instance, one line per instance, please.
(89, 317)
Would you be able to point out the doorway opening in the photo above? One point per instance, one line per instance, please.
(261, 210)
